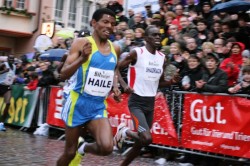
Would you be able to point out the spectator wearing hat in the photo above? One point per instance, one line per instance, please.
(245, 58)
(118, 9)
(233, 63)
(149, 12)
(243, 87)
(213, 79)
(245, 62)
(83, 33)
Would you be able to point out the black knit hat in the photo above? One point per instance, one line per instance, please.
(214, 56)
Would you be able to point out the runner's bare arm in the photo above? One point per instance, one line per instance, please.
(79, 53)
(118, 52)
(130, 59)
(116, 90)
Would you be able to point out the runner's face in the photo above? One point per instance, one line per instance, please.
(154, 37)
(105, 26)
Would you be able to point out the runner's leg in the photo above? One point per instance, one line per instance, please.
(71, 142)
(102, 133)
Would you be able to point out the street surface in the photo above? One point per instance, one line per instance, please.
(18, 148)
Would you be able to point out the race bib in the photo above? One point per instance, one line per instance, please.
(152, 70)
(99, 82)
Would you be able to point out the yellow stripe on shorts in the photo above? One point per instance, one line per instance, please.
(74, 97)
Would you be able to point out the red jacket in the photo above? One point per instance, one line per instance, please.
(32, 85)
(232, 65)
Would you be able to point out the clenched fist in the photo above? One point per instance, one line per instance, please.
(86, 51)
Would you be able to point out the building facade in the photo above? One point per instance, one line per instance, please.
(21, 20)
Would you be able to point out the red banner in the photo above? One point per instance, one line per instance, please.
(218, 124)
(163, 130)
(55, 108)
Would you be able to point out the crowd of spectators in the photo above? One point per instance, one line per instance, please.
(209, 50)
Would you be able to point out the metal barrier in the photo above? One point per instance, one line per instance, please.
(176, 101)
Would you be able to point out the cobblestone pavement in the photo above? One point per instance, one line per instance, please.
(18, 148)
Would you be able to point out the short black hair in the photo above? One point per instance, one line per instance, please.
(201, 21)
(148, 29)
(100, 12)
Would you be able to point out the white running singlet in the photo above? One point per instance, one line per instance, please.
(145, 74)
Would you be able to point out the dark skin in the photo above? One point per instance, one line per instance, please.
(79, 54)
(143, 138)
(7, 95)
(3, 68)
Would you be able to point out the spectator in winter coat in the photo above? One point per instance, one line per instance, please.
(245, 62)
(214, 79)
(48, 77)
(244, 86)
(32, 85)
(232, 64)
(192, 74)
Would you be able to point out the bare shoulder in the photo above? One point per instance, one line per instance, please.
(77, 45)
(79, 42)
(76, 49)
(117, 49)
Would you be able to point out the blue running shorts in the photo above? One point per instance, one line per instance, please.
(78, 109)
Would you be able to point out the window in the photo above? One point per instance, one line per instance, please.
(59, 10)
(72, 14)
(85, 14)
(20, 4)
(8, 3)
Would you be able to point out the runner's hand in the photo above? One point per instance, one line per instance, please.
(117, 94)
(86, 51)
(128, 90)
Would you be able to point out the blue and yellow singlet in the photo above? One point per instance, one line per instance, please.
(94, 80)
